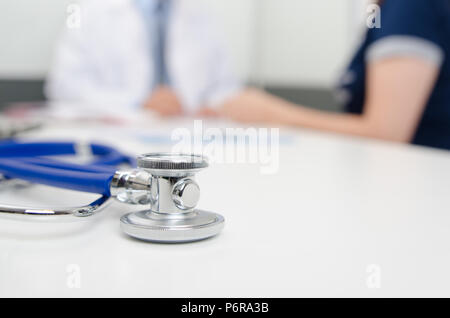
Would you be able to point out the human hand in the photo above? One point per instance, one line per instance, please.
(207, 112)
(165, 102)
(255, 106)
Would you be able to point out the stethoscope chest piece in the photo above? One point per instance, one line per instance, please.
(171, 191)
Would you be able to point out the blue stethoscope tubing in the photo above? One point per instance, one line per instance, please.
(29, 161)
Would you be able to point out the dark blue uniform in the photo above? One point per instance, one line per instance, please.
(418, 28)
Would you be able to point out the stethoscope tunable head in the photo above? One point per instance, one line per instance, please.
(166, 182)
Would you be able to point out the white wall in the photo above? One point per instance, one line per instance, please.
(28, 29)
(281, 42)
(303, 42)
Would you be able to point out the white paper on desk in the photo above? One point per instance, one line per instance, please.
(81, 112)
(76, 111)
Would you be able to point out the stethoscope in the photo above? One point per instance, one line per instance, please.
(164, 181)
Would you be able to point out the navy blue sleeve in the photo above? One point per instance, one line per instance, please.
(416, 18)
(410, 27)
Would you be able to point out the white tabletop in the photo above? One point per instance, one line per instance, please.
(341, 217)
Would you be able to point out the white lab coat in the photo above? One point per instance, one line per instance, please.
(107, 60)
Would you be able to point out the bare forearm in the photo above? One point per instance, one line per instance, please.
(397, 94)
(294, 115)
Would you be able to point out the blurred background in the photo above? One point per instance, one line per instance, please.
(293, 48)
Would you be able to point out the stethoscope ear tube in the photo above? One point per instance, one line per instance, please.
(30, 162)
(105, 155)
(15, 149)
(51, 163)
(91, 182)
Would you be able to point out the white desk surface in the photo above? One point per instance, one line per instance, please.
(341, 216)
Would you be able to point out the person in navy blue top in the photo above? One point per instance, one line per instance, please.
(411, 28)
(397, 86)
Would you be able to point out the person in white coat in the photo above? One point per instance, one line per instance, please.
(163, 55)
